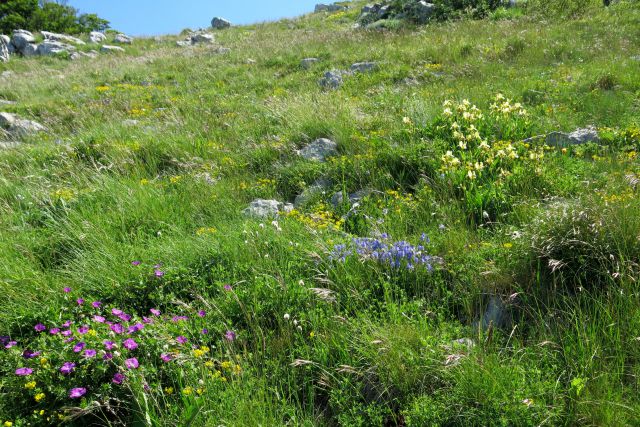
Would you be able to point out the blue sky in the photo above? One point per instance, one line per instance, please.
(154, 17)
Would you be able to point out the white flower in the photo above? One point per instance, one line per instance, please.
(286, 316)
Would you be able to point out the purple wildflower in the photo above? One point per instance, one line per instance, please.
(80, 301)
(83, 329)
(118, 378)
(40, 327)
(117, 328)
(107, 356)
(76, 393)
(116, 312)
(67, 368)
(11, 344)
(89, 353)
(158, 273)
(67, 333)
(202, 313)
(67, 324)
(135, 263)
(135, 328)
(181, 339)
(130, 344)
(176, 319)
(205, 331)
(96, 304)
(132, 363)
(155, 312)
(30, 354)
(67, 289)
(78, 347)
(109, 345)
(228, 288)
(23, 372)
(54, 331)
(99, 319)
(166, 357)
(147, 320)
(230, 335)
(68, 340)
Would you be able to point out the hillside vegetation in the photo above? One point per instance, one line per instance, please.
(480, 274)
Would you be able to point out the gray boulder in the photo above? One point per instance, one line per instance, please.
(202, 38)
(79, 55)
(261, 208)
(363, 67)
(306, 63)
(422, 11)
(4, 50)
(319, 150)
(329, 7)
(30, 49)
(21, 39)
(579, 136)
(50, 48)
(123, 39)
(331, 79)
(6, 39)
(61, 38)
(108, 49)
(97, 37)
(220, 23)
(18, 128)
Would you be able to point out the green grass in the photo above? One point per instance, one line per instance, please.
(321, 342)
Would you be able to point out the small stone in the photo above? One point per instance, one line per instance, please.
(364, 67)
(261, 208)
(123, 39)
(202, 38)
(308, 62)
(108, 49)
(220, 23)
(331, 80)
(17, 127)
(319, 150)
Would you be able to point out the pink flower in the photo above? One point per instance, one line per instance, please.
(230, 335)
(202, 313)
(158, 273)
(109, 345)
(155, 312)
(54, 331)
(135, 328)
(96, 304)
(23, 372)
(165, 357)
(80, 301)
(125, 317)
(67, 290)
(132, 363)
(83, 330)
(135, 263)
(228, 288)
(67, 333)
(98, 319)
(117, 328)
(181, 339)
(130, 344)
(118, 378)
(67, 324)
(116, 312)
(75, 393)
(40, 327)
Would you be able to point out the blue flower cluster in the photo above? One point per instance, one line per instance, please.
(397, 255)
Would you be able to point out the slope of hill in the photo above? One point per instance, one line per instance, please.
(457, 257)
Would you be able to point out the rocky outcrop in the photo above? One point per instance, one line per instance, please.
(218, 23)
(109, 49)
(123, 39)
(319, 150)
(61, 38)
(97, 37)
(329, 8)
(261, 208)
(16, 127)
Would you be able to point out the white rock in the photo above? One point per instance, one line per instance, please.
(61, 38)
(202, 38)
(107, 49)
(4, 50)
(21, 38)
(97, 37)
(364, 67)
(220, 23)
(319, 150)
(261, 208)
(50, 48)
(306, 63)
(579, 136)
(123, 39)
(17, 127)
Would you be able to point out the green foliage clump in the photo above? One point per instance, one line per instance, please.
(33, 15)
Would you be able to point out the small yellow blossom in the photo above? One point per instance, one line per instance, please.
(168, 390)
(40, 396)
(187, 391)
(30, 385)
(208, 364)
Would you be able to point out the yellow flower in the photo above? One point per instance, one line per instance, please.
(7, 424)
(200, 391)
(41, 412)
(187, 391)
(43, 360)
(144, 181)
(92, 333)
(508, 245)
(102, 88)
(168, 390)
(225, 365)
(312, 334)
(208, 364)
(40, 396)
(198, 353)
(30, 385)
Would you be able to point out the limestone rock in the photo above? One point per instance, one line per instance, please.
(579, 136)
(306, 63)
(4, 50)
(220, 23)
(107, 49)
(331, 79)
(123, 39)
(202, 38)
(50, 48)
(21, 39)
(261, 208)
(329, 8)
(61, 38)
(97, 37)
(17, 127)
(364, 67)
(319, 150)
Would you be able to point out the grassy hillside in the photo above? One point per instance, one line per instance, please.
(518, 306)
